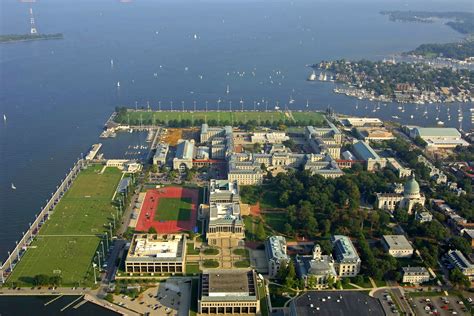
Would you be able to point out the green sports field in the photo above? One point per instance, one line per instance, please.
(173, 209)
(222, 117)
(68, 241)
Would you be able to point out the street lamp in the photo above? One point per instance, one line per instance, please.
(9, 258)
(106, 240)
(110, 227)
(103, 250)
(95, 276)
(17, 251)
(113, 217)
(98, 257)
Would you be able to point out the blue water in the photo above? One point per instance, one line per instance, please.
(57, 94)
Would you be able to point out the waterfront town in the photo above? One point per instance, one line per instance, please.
(349, 215)
(403, 82)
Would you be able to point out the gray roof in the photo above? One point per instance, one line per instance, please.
(340, 303)
(397, 242)
(220, 285)
(185, 150)
(437, 132)
(364, 151)
(415, 270)
(275, 247)
(344, 250)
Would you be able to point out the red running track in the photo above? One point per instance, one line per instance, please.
(150, 206)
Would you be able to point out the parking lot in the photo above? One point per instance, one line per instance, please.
(438, 305)
(169, 298)
(386, 298)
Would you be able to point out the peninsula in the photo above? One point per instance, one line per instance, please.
(462, 22)
(12, 38)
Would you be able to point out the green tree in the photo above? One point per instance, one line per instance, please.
(152, 230)
(459, 279)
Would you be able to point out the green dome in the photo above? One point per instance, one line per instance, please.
(411, 187)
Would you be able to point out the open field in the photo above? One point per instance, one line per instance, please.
(67, 242)
(173, 209)
(216, 118)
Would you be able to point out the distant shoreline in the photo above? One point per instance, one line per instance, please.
(15, 38)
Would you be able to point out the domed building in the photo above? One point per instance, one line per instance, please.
(410, 197)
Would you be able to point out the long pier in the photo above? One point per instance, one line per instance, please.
(15, 255)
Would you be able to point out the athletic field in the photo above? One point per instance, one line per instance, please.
(174, 209)
(68, 241)
(169, 210)
(221, 118)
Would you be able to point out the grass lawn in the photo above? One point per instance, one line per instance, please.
(250, 223)
(222, 117)
(190, 249)
(210, 263)
(192, 268)
(263, 299)
(66, 244)
(242, 264)
(211, 251)
(173, 209)
(276, 221)
(317, 118)
(241, 252)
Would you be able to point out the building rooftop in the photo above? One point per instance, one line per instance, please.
(185, 150)
(458, 258)
(437, 132)
(364, 151)
(123, 185)
(224, 211)
(344, 250)
(276, 248)
(145, 247)
(161, 150)
(415, 270)
(223, 187)
(330, 303)
(397, 242)
(228, 285)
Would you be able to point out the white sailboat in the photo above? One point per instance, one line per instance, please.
(111, 63)
(13, 186)
(228, 90)
(4, 118)
(118, 84)
(312, 77)
(307, 103)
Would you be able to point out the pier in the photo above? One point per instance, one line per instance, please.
(15, 255)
